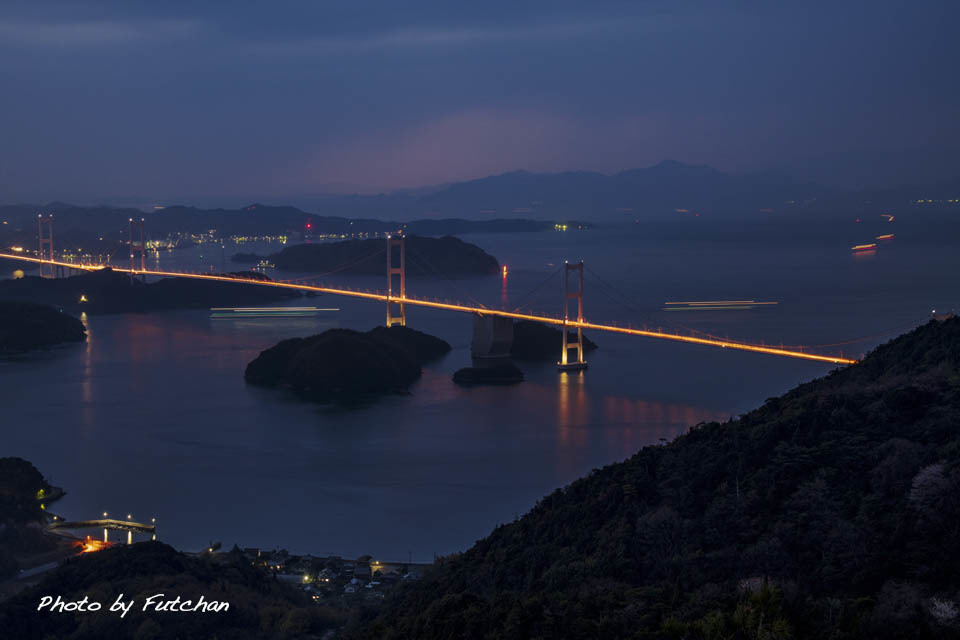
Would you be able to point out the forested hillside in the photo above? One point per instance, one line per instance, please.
(830, 512)
(259, 606)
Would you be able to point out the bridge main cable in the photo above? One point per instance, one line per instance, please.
(727, 344)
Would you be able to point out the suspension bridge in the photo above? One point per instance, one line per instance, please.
(396, 300)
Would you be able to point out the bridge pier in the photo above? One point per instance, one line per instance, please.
(129, 537)
(492, 338)
(579, 364)
(105, 537)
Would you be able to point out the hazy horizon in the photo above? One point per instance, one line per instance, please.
(308, 199)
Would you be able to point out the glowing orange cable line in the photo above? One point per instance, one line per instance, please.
(728, 344)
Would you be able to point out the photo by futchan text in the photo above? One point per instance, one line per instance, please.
(156, 602)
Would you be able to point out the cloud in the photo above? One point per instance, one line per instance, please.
(422, 38)
(91, 33)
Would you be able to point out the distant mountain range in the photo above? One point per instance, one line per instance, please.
(520, 197)
(649, 192)
(661, 188)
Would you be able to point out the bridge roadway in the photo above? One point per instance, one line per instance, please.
(104, 523)
(573, 324)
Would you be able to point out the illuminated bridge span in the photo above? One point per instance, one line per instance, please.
(393, 301)
(106, 524)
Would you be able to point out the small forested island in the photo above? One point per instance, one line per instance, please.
(537, 341)
(447, 256)
(501, 373)
(832, 511)
(25, 326)
(345, 366)
(108, 291)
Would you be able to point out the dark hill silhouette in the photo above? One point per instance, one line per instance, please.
(25, 326)
(447, 257)
(104, 228)
(829, 512)
(108, 291)
(537, 341)
(24, 493)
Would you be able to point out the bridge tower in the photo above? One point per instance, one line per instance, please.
(396, 272)
(137, 247)
(565, 364)
(45, 236)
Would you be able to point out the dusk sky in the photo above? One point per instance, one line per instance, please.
(173, 98)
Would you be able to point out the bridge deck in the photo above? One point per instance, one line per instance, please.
(660, 335)
(105, 523)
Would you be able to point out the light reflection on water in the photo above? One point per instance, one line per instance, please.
(152, 416)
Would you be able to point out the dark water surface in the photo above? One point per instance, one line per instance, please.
(152, 417)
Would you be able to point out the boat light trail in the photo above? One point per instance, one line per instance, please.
(721, 302)
(716, 305)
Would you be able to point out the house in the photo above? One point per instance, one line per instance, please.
(362, 570)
